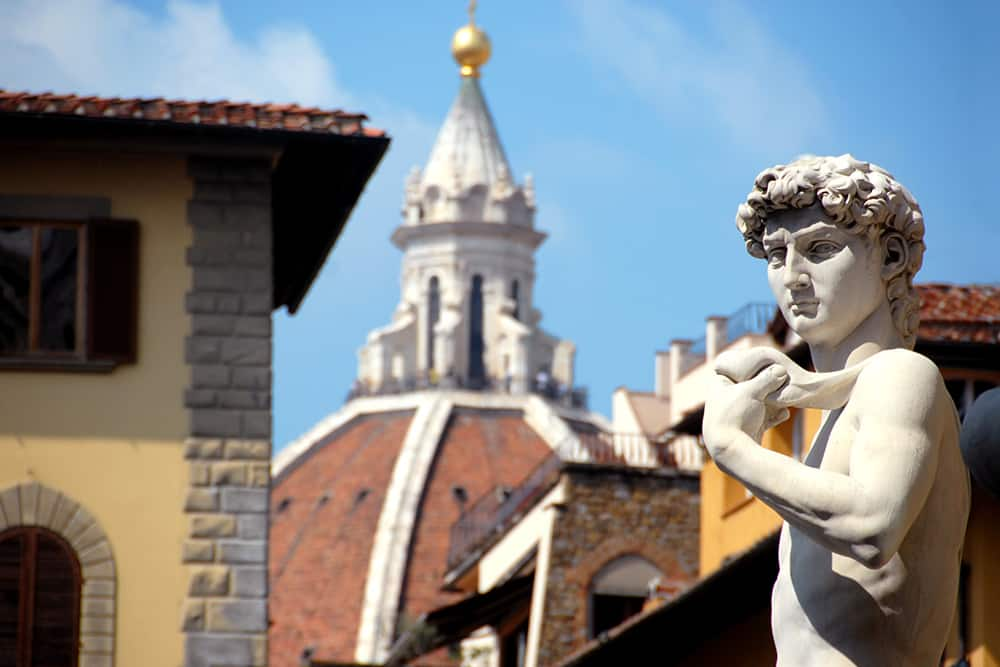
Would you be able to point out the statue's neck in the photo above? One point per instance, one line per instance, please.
(878, 332)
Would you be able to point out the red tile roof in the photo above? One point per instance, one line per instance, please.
(959, 313)
(287, 117)
(323, 523)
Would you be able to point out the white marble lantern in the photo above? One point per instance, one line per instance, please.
(466, 316)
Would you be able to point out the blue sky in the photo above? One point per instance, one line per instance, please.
(643, 123)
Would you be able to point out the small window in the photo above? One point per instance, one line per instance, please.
(619, 592)
(39, 599)
(68, 292)
(514, 646)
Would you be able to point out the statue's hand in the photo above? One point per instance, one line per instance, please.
(736, 409)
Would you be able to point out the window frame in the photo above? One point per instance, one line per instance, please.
(83, 358)
(34, 350)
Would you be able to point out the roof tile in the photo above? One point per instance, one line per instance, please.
(266, 116)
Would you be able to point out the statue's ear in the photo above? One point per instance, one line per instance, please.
(895, 255)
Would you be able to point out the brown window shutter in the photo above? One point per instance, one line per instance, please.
(11, 548)
(112, 290)
(55, 623)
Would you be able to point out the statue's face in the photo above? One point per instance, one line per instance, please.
(826, 280)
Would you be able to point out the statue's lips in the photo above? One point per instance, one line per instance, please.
(804, 306)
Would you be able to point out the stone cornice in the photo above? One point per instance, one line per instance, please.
(405, 234)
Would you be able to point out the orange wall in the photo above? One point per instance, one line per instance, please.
(731, 519)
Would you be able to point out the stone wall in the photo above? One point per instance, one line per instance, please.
(612, 511)
(229, 401)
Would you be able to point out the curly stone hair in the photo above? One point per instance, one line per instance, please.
(862, 197)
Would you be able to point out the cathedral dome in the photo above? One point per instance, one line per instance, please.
(363, 509)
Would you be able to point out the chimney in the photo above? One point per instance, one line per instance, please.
(679, 349)
(715, 336)
(662, 374)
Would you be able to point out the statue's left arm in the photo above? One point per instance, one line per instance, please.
(865, 513)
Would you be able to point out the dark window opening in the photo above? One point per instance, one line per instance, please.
(459, 493)
(283, 505)
(433, 315)
(514, 647)
(608, 611)
(39, 599)
(477, 367)
(68, 292)
(516, 297)
(40, 285)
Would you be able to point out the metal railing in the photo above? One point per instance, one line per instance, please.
(631, 449)
(494, 512)
(752, 318)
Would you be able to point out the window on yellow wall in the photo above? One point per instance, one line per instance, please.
(67, 292)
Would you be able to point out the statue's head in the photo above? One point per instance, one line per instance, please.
(835, 229)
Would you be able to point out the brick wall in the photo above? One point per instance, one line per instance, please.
(229, 402)
(612, 512)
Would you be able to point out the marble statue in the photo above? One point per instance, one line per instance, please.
(875, 515)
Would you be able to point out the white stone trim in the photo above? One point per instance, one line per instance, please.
(33, 504)
(540, 586)
(387, 566)
(359, 406)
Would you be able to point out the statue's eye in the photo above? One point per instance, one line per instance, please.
(775, 256)
(823, 248)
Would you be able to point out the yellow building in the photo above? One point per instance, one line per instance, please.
(725, 618)
(143, 246)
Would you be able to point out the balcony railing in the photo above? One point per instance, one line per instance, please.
(572, 397)
(752, 318)
(494, 512)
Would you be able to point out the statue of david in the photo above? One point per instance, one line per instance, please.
(875, 515)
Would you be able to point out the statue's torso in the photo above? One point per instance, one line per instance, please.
(828, 609)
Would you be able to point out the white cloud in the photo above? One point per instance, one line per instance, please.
(733, 69)
(107, 47)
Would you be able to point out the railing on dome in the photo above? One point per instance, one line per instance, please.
(546, 387)
(494, 512)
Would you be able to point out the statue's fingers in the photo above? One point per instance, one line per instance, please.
(776, 417)
(767, 381)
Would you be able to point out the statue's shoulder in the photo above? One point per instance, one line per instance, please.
(898, 376)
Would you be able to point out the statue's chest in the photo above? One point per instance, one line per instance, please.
(831, 447)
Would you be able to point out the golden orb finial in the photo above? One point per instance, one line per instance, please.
(470, 46)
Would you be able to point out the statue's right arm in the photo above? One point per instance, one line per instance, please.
(865, 513)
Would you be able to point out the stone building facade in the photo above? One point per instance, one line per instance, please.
(613, 513)
(229, 402)
(144, 245)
